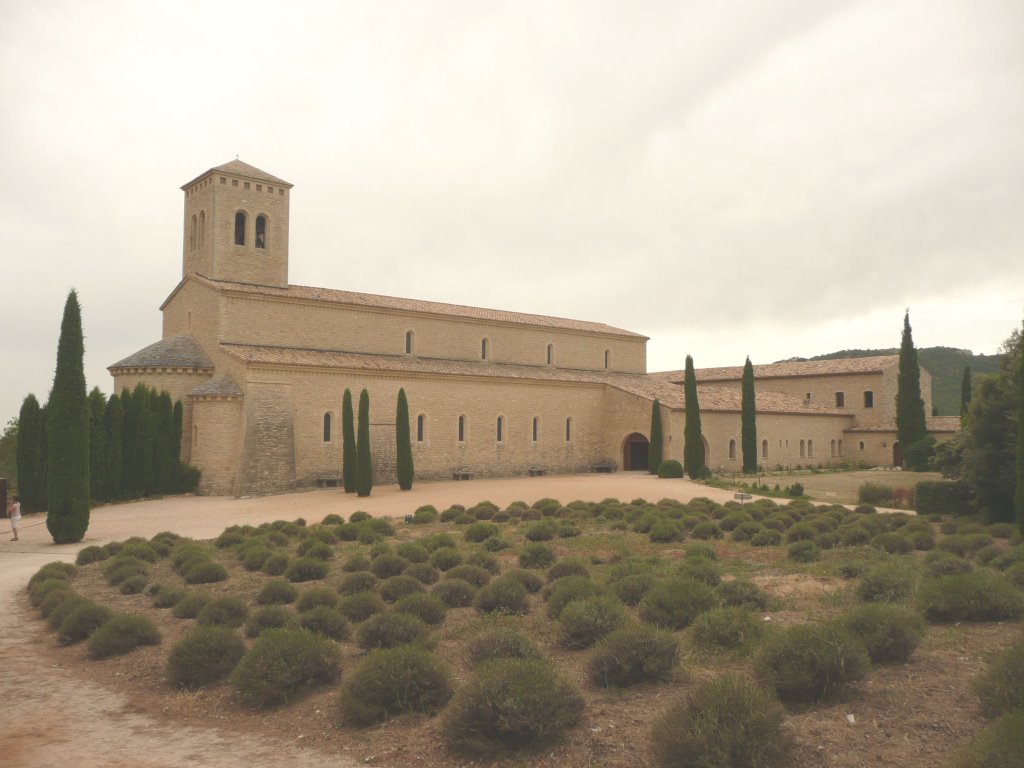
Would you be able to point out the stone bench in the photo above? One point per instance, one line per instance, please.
(537, 472)
(603, 468)
(462, 474)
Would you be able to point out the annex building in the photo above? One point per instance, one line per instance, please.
(261, 367)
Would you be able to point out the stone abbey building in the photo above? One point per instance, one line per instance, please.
(261, 367)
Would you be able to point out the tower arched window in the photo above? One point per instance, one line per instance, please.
(327, 427)
(732, 449)
(536, 428)
(803, 449)
(483, 349)
(202, 229)
(764, 449)
(192, 234)
(421, 428)
(810, 448)
(240, 222)
(261, 231)
(408, 342)
(551, 354)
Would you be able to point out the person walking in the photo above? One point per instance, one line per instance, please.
(14, 512)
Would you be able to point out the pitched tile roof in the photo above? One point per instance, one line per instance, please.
(844, 366)
(179, 351)
(218, 386)
(332, 296)
(239, 168)
(712, 399)
(937, 424)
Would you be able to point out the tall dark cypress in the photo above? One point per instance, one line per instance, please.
(910, 419)
(163, 442)
(97, 442)
(403, 442)
(129, 450)
(693, 445)
(748, 420)
(1018, 498)
(364, 460)
(113, 421)
(67, 481)
(965, 392)
(348, 444)
(655, 452)
(178, 415)
(31, 477)
(145, 427)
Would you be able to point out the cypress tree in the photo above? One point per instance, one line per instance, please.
(178, 415)
(1018, 498)
(113, 421)
(348, 445)
(364, 461)
(965, 392)
(145, 479)
(163, 442)
(655, 452)
(748, 416)
(129, 450)
(30, 470)
(910, 421)
(97, 442)
(403, 443)
(693, 445)
(67, 482)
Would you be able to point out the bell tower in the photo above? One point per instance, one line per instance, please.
(236, 225)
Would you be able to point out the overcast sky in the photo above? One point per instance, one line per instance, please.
(766, 178)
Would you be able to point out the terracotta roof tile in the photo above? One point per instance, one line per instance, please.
(218, 386)
(844, 366)
(332, 296)
(179, 351)
(239, 168)
(933, 423)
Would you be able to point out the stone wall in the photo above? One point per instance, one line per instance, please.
(268, 455)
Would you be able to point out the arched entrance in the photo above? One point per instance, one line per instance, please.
(635, 452)
(897, 454)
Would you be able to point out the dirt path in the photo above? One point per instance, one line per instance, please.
(52, 717)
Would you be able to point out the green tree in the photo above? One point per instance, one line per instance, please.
(1019, 495)
(113, 422)
(9, 451)
(657, 439)
(67, 479)
(403, 443)
(364, 460)
(178, 416)
(97, 442)
(965, 392)
(910, 417)
(31, 473)
(693, 445)
(348, 445)
(163, 442)
(748, 419)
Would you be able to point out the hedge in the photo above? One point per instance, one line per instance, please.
(943, 497)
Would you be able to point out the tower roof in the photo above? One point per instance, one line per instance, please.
(239, 168)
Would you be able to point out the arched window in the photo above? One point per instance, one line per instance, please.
(408, 342)
(803, 449)
(483, 349)
(261, 231)
(568, 429)
(327, 427)
(861, 445)
(840, 448)
(500, 430)
(732, 449)
(764, 449)
(421, 428)
(240, 220)
(551, 354)
(462, 429)
(832, 448)
(192, 234)
(202, 229)
(536, 428)
(810, 449)
(607, 359)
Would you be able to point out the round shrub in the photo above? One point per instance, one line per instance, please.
(315, 597)
(474, 574)
(804, 551)
(306, 569)
(386, 630)
(501, 644)
(277, 592)
(253, 556)
(978, 596)
(893, 543)
(223, 612)
(886, 583)
(360, 581)
(663, 531)
(429, 609)
(356, 563)
(167, 596)
(536, 555)
(455, 593)
(360, 606)
(484, 560)
(505, 595)
(393, 681)
(139, 549)
(118, 569)
(133, 585)
(496, 544)
(327, 621)
(387, 565)
(398, 587)
(59, 604)
(543, 530)
(727, 721)
(478, 532)
(283, 663)
(727, 628)
(91, 554)
(700, 569)
(275, 565)
(269, 617)
(510, 703)
(203, 656)
(565, 591)
(746, 531)
(946, 565)
(700, 552)
(436, 541)
(890, 633)
(801, 532)
(190, 605)
(1001, 687)
(584, 622)
(82, 621)
(807, 662)
(530, 580)
(445, 558)
(1000, 744)
(425, 515)
(766, 538)
(121, 633)
(424, 573)
(631, 654)
(413, 551)
(854, 536)
(674, 603)
(1015, 575)
(670, 469)
(631, 589)
(206, 573)
(706, 530)
(741, 593)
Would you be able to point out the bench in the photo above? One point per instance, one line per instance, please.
(741, 497)
(537, 472)
(462, 474)
(606, 468)
(328, 482)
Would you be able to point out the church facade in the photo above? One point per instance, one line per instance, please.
(261, 367)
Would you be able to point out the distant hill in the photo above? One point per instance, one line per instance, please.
(945, 364)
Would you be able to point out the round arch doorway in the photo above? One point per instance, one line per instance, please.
(635, 452)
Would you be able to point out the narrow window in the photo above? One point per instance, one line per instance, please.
(607, 358)
(840, 400)
(764, 449)
(240, 228)
(536, 428)
(500, 428)
(732, 449)
(861, 446)
(327, 427)
(483, 349)
(462, 429)
(808, 398)
(803, 448)
(192, 234)
(234, 182)
(420, 427)
(840, 447)
(261, 231)
(202, 228)
(869, 399)
(832, 448)
(810, 449)
(408, 342)
(551, 354)
(568, 430)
